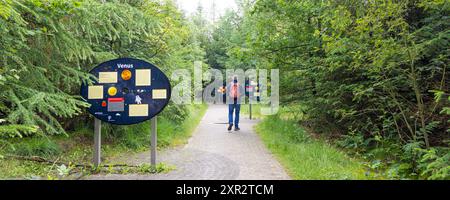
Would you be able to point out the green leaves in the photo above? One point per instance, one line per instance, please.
(13, 131)
(48, 46)
(373, 72)
(5, 8)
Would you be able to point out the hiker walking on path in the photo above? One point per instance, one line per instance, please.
(234, 104)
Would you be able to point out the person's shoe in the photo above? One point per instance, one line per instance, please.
(237, 129)
(230, 127)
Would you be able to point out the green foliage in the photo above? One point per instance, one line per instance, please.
(353, 141)
(48, 46)
(373, 73)
(304, 157)
(159, 168)
(173, 130)
(14, 130)
(178, 132)
(76, 148)
(63, 170)
(435, 164)
(420, 163)
(37, 146)
(176, 113)
(135, 137)
(46, 49)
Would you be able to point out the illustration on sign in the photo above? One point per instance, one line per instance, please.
(138, 99)
(126, 91)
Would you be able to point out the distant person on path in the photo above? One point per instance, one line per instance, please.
(234, 92)
(223, 91)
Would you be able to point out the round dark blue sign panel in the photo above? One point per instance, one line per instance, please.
(128, 91)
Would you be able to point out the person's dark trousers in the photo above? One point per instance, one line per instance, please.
(231, 109)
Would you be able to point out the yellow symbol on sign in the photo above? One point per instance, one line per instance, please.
(126, 75)
(112, 91)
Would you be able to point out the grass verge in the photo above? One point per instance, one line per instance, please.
(306, 158)
(256, 110)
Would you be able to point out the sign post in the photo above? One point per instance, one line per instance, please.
(97, 142)
(126, 91)
(250, 110)
(250, 92)
(153, 140)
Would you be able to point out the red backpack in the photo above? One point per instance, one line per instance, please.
(234, 90)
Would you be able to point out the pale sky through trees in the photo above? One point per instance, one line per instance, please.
(190, 6)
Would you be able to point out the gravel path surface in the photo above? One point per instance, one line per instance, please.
(213, 153)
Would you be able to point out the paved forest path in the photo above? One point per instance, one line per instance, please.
(213, 153)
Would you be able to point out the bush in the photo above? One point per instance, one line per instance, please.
(434, 164)
(176, 113)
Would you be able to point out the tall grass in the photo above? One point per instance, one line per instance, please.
(305, 157)
(37, 146)
(256, 110)
(172, 133)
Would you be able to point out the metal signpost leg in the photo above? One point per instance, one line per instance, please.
(97, 142)
(153, 141)
(250, 111)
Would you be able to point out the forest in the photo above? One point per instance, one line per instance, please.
(47, 49)
(369, 77)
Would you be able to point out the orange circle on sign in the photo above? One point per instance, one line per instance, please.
(126, 75)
